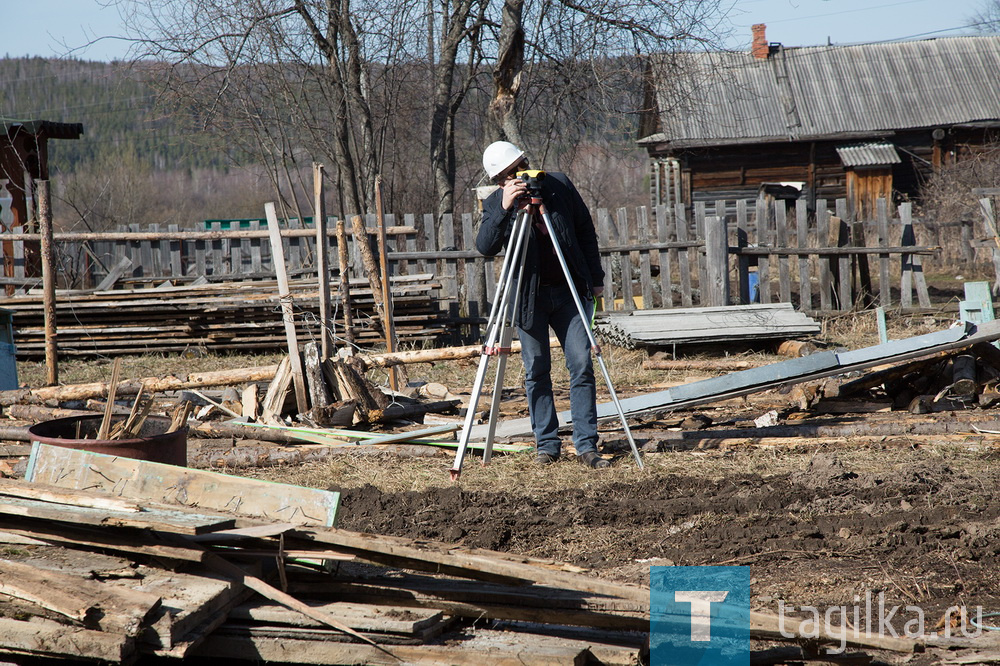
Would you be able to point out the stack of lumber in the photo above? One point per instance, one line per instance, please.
(734, 323)
(243, 316)
(103, 572)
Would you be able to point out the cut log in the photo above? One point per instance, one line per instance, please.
(132, 386)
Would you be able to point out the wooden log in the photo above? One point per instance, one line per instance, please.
(131, 387)
(48, 282)
(319, 396)
(277, 391)
(964, 385)
(371, 268)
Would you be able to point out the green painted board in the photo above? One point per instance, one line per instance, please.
(169, 484)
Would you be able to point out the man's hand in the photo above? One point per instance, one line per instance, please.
(513, 189)
(597, 291)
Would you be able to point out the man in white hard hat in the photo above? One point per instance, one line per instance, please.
(545, 300)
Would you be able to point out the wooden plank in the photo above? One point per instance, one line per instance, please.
(763, 239)
(287, 310)
(200, 254)
(825, 276)
(77, 596)
(163, 520)
(361, 617)
(802, 240)
(906, 217)
(140, 543)
(478, 564)
(843, 231)
(696, 256)
(665, 256)
(624, 236)
(684, 256)
(159, 251)
(139, 480)
(742, 261)
(884, 285)
(645, 263)
(715, 291)
(220, 252)
(478, 600)
(608, 261)
(51, 639)
(781, 232)
(255, 648)
(192, 601)
(176, 252)
(448, 267)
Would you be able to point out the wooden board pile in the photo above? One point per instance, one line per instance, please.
(229, 316)
(735, 323)
(107, 574)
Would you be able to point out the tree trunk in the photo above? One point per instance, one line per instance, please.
(507, 75)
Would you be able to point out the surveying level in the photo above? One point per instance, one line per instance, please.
(533, 179)
(500, 326)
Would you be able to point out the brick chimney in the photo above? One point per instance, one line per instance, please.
(759, 47)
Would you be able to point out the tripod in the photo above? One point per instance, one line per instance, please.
(500, 328)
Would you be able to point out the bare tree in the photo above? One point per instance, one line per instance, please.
(289, 82)
(563, 66)
(987, 19)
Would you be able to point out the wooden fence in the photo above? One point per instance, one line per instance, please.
(821, 261)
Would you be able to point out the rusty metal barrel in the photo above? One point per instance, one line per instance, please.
(153, 443)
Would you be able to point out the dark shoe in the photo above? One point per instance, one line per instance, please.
(545, 459)
(594, 460)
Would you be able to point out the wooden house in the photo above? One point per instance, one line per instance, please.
(861, 121)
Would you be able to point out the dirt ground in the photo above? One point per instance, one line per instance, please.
(817, 523)
(822, 522)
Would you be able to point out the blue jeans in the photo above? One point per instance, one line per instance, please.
(554, 306)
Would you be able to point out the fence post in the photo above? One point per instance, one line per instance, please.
(802, 236)
(683, 254)
(48, 282)
(666, 265)
(625, 239)
(716, 291)
(743, 261)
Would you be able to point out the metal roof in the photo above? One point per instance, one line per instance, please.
(861, 90)
(868, 154)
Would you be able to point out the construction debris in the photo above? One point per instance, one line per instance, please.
(684, 326)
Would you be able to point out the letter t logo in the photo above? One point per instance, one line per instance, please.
(701, 605)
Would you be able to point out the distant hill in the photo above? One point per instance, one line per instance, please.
(117, 113)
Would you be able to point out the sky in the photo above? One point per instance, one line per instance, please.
(55, 28)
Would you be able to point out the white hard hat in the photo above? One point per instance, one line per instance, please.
(500, 156)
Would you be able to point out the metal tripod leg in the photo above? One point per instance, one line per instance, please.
(498, 328)
(586, 325)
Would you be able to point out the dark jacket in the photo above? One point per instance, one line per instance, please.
(574, 229)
